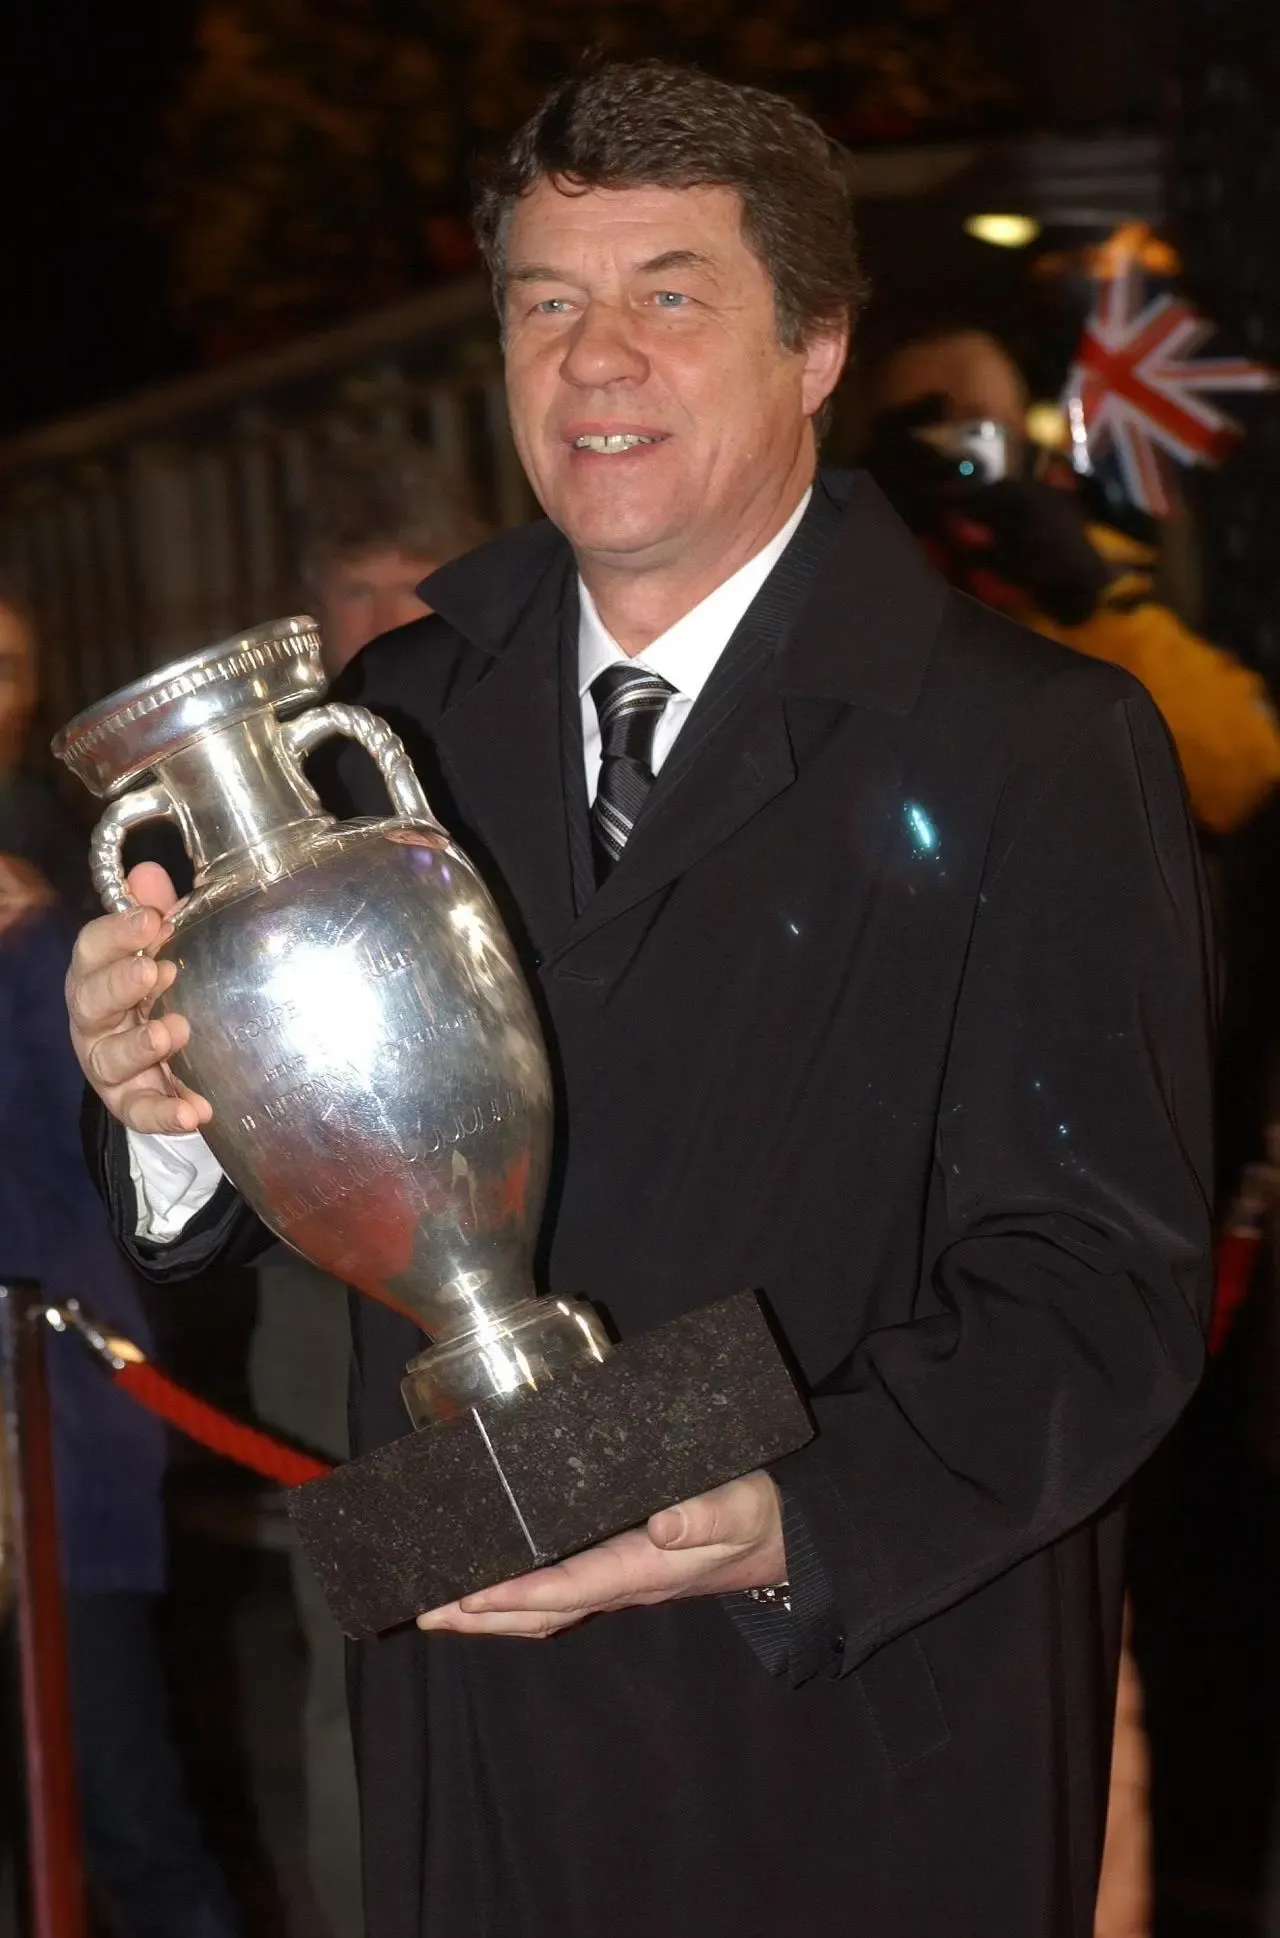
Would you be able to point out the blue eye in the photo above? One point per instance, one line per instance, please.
(551, 305)
(668, 299)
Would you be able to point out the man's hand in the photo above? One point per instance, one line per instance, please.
(23, 891)
(111, 985)
(714, 1545)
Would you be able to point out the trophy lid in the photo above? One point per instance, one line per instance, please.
(275, 666)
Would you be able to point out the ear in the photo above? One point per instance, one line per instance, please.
(824, 358)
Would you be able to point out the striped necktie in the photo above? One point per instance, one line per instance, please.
(629, 702)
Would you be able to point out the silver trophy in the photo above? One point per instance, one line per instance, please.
(381, 1099)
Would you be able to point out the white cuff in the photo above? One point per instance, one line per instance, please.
(173, 1178)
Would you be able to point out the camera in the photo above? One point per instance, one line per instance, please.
(977, 449)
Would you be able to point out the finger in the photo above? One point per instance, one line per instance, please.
(113, 936)
(166, 976)
(121, 1056)
(104, 998)
(149, 884)
(606, 1576)
(157, 1112)
(454, 1620)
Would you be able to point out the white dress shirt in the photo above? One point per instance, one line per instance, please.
(174, 1177)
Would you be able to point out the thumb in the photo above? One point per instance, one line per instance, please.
(670, 1529)
(150, 885)
(700, 1523)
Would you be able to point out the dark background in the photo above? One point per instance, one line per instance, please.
(82, 92)
(89, 94)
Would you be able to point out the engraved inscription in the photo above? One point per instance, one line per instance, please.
(340, 1084)
(274, 1075)
(263, 1022)
(360, 1172)
(280, 1070)
(387, 964)
(468, 1122)
(276, 1109)
(430, 1033)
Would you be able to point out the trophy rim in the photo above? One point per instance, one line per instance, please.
(109, 744)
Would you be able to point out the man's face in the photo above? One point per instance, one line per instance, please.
(362, 597)
(17, 685)
(640, 316)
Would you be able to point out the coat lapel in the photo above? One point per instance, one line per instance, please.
(500, 745)
(582, 861)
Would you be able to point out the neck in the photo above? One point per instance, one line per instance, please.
(233, 790)
(637, 603)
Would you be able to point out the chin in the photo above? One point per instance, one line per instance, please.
(597, 526)
(614, 537)
(603, 514)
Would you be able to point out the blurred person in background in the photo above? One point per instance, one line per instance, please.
(1015, 532)
(148, 1869)
(381, 519)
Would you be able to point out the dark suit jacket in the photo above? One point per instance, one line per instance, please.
(895, 1009)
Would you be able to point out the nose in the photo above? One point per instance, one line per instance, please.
(603, 349)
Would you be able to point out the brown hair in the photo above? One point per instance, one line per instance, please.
(384, 495)
(652, 124)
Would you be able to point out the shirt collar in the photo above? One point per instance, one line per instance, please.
(686, 653)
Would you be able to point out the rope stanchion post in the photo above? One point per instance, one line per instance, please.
(53, 1813)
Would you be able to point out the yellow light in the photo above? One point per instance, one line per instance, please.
(1003, 231)
(1047, 425)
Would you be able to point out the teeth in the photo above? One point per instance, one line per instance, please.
(615, 441)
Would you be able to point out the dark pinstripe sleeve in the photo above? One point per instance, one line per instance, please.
(807, 1640)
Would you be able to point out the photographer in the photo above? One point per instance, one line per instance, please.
(948, 447)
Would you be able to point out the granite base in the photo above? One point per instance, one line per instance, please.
(519, 1482)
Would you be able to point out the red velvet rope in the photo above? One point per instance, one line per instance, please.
(247, 1446)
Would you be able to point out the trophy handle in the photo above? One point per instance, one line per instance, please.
(106, 847)
(307, 730)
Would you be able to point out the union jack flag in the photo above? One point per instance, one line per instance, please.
(1138, 387)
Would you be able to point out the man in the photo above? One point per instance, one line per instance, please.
(816, 1031)
(381, 518)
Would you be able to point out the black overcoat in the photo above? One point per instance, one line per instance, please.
(895, 1008)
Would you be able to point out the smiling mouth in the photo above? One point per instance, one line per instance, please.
(608, 444)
